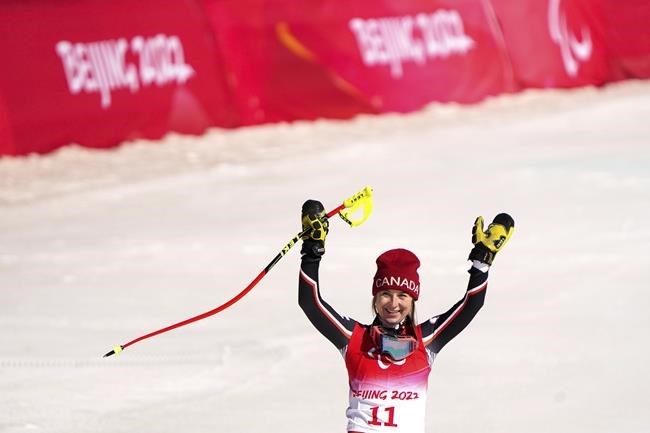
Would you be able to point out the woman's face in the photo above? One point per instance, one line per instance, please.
(393, 306)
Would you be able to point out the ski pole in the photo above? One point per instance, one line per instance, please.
(347, 208)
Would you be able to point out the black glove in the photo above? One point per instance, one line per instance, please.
(487, 244)
(314, 221)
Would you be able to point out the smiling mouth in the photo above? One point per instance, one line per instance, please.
(392, 312)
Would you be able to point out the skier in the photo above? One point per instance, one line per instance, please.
(389, 361)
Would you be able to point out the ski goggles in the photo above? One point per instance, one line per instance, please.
(396, 347)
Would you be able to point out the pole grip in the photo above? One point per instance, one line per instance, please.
(353, 203)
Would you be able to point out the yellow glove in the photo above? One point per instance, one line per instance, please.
(489, 242)
(314, 220)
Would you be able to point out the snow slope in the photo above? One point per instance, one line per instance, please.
(99, 247)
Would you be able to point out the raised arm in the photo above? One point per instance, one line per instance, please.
(336, 328)
(441, 329)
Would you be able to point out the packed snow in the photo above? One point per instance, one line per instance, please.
(100, 247)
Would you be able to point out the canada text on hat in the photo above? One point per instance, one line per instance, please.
(397, 269)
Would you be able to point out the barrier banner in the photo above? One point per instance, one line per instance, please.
(318, 59)
(628, 37)
(555, 43)
(269, 82)
(100, 73)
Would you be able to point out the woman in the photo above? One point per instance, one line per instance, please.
(389, 361)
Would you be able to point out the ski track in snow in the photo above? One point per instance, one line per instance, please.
(99, 247)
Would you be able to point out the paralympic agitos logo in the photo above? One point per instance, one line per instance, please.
(573, 50)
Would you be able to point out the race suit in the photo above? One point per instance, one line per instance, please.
(385, 395)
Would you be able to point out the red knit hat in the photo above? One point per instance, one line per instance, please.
(397, 269)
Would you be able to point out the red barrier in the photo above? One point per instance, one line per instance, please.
(100, 73)
(627, 27)
(554, 43)
(271, 83)
(317, 59)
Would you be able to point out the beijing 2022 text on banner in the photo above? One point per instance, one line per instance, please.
(102, 73)
(99, 73)
(316, 59)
